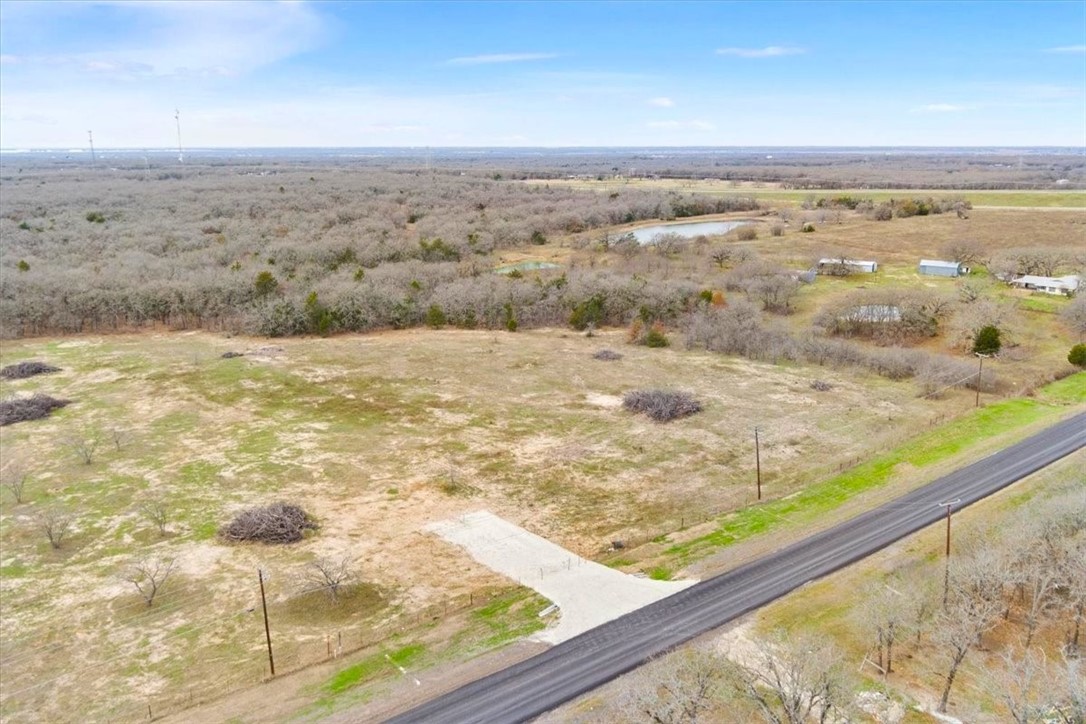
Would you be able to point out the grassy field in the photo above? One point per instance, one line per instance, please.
(770, 193)
(376, 436)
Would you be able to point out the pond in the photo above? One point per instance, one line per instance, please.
(688, 230)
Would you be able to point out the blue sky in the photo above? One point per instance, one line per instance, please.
(542, 74)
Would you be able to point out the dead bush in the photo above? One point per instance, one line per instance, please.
(821, 386)
(278, 523)
(661, 405)
(22, 370)
(607, 355)
(21, 409)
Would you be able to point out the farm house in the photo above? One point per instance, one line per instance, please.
(1067, 285)
(938, 268)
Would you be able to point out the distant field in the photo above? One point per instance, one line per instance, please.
(768, 192)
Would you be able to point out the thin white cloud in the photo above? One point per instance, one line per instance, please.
(185, 39)
(770, 51)
(500, 58)
(662, 102)
(1068, 49)
(941, 108)
(681, 125)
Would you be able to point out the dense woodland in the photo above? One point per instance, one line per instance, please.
(97, 251)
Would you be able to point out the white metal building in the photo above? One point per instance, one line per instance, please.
(938, 268)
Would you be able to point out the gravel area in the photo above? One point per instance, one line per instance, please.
(585, 593)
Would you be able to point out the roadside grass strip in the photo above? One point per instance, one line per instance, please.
(924, 450)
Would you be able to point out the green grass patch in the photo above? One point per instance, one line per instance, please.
(1070, 390)
(510, 617)
(369, 668)
(15, 569)
(1046, 304)
(926, 449)
(660, 573)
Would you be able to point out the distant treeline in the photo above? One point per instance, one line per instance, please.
(295, 251)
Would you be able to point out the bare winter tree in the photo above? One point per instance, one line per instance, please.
(329, 575)
(883, 614)
(13, 478)
(684, 687)
(1074, 574)
(963, 251)
(56, 524)
(1022, 682)
(149, 575)
(970, 612)
(83, 443)
(156, 511)
(794, 681)
(1074, 314)
(119, 437)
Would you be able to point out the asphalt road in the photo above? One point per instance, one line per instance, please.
(539, 684)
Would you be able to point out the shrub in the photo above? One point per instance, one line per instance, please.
(607, 355)
(21, 409)
(1077, 355)
(661, 405)
(95, 217)
(587, 312)
(821, 386)
(265, 283)
(807, 228)
(22, 370)
(435, 317)
(776, 230)
(746, 233)
(539, 238)
(231, 355)
(987, 340)
(278, 523)
(656, 338)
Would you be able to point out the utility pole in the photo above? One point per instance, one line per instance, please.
(758, 462)
(949, 505)
(90, 137)
(267, 629)
(980, 377)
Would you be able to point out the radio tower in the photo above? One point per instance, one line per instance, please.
(177, 117)
(90, 137)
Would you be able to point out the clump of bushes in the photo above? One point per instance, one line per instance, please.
(22, 370)
(278, 523)
(1077, 355)
(21, 409)
(607, 355)
(661, 405)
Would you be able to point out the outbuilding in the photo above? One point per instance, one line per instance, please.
(842, 267)
(938, 268)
